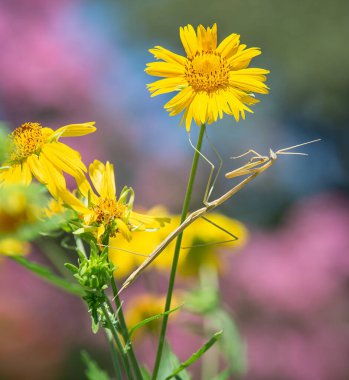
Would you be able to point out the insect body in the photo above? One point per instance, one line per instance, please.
(259, 163)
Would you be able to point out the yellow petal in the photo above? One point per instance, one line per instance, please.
(229, 45)
(26, 173)
(64, 158)
(207, 38)
(86, 189)
(55, 179)
(188, 37)
(96, 172)
(124, 230)
(167, 55)
(12, 175)
(108, 188)
(164, 69)
(37, 169)
(163, 86)
(73, 130)
(100, 233)
(70, 200)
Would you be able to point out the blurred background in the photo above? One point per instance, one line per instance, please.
(73, 61)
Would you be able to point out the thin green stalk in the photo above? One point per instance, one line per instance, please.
(118, 342)
(176, 252)
(114, 355)
(208, 277)
(125, 334)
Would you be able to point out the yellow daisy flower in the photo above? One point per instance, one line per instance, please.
(13, 247)
(202, 245)
(105, 213)
(36, 151)
(21, 217)
(146, 305)
(211, 80)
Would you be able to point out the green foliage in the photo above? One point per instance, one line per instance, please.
(202, 300)
(169, 364)
(205, 301)
(93, 372)
(145, 373)
(222, 376)
(231, 344)
(46, 274)
(150, 319)
(93, 274)
(3, 142)
(197, 355)
(22, 212)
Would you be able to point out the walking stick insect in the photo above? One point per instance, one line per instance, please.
(254, 167)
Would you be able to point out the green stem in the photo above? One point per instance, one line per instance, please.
(118, 342)
(125, 334)
(210, 362)
(176, 252)
(114, 356)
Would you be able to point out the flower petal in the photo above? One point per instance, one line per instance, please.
(164, 69)
(161, 53)
(163, 86)
(73, 130)
(229, 45)
(189, 40)
(108, 187)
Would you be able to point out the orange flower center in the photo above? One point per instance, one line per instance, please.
(108, 210)
(27, 140)
(207, 71)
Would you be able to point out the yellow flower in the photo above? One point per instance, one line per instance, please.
(211, 80)
(105, 214)
(11, 247)
(202, 245)
(20, 217)
(146, 305)
(36, 151)
(17, 210)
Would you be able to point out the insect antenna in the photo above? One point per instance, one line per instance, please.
(285, 150)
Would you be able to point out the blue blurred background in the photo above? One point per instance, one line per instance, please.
(73, 61)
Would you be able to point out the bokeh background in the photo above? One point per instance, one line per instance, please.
(74, 61)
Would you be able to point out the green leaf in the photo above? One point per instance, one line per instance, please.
(152, 318)
(46, 274)
(168, 365)
(197, 355)
(231, 345)
(145, 373)
(202, 300)
(93, 372)
(74, 269)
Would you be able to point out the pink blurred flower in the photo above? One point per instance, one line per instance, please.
(289, 289)
(45, 62)
(304, 264)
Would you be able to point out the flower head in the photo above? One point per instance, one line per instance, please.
(202, 245)
(146, 305)
(22, 217)
(11, 247)
(211, 80)
(36, 151)
(105, 214)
